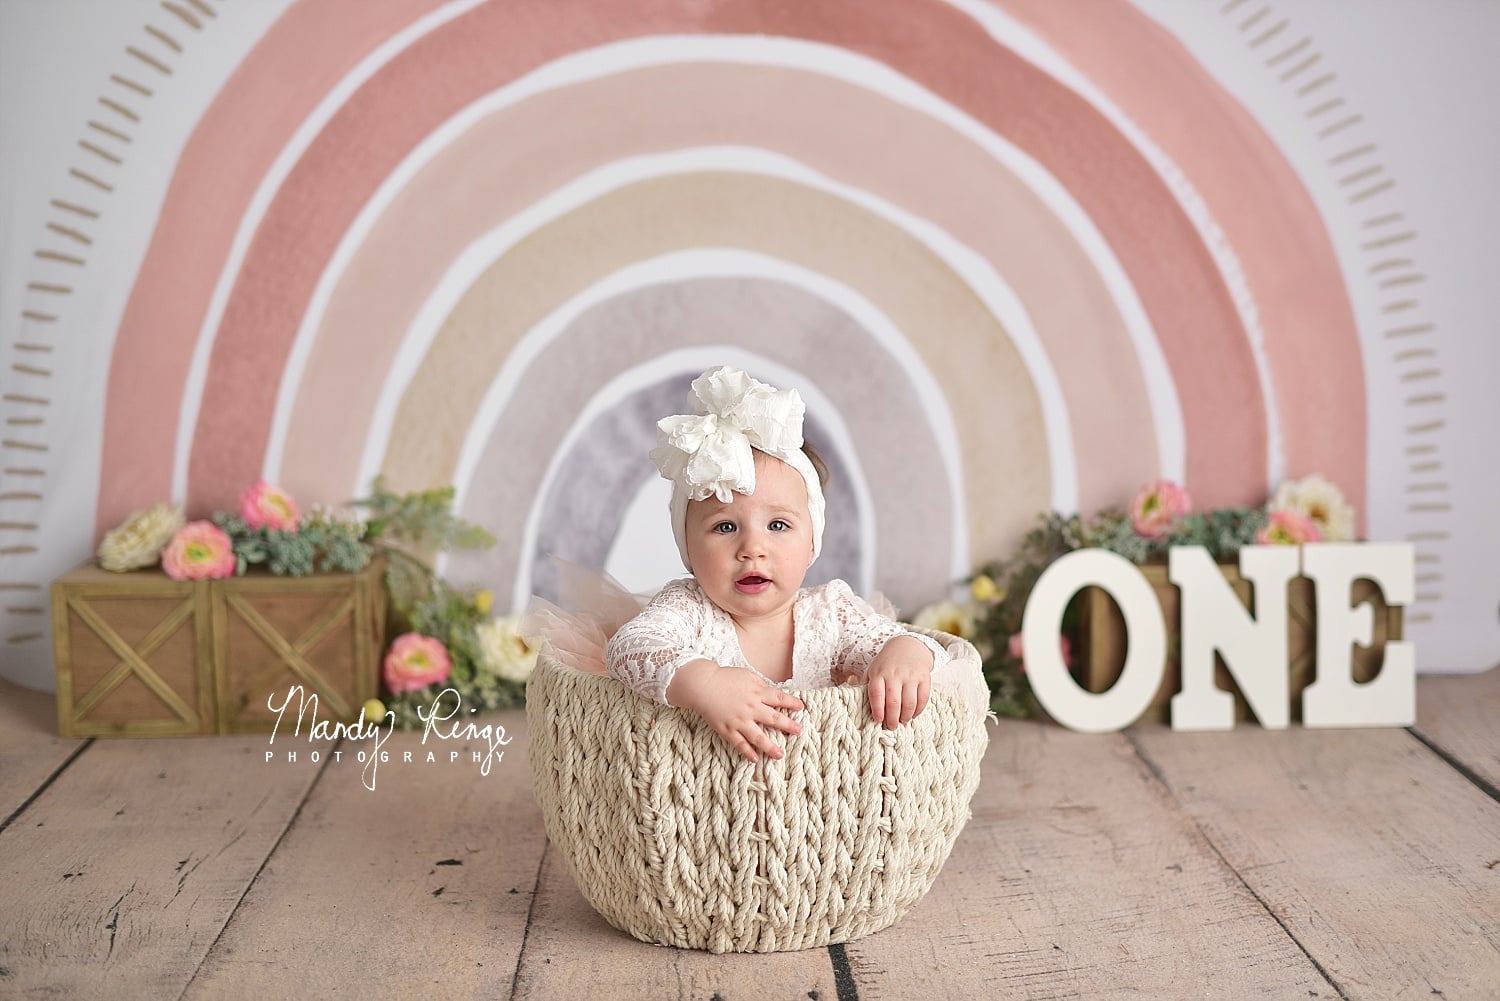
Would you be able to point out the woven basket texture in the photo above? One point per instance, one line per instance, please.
(677, 840)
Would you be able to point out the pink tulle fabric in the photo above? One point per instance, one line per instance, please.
(594, 606)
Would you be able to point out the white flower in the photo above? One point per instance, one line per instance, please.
(1316, 498)
(950, 617)
(139, 542)
(503, 651)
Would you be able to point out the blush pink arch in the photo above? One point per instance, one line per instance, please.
(517, 155)
(223, 162)
(1266, 213)
(925, 40)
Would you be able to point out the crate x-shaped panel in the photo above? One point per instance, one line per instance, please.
(319, 638)
(131, 659)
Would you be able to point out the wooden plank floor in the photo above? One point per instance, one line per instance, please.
(1148, 864)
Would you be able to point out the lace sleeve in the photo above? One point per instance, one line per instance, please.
(646, 652)
(864, 632)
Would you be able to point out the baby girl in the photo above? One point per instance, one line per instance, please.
(747, 514)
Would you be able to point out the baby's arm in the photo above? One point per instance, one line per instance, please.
(895, 664)
(654, 655)
(646, 652)
(737, 704)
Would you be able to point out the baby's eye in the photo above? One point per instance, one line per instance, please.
(724, 527)
(780, 525)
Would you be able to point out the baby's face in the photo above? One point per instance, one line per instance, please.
(751, 554)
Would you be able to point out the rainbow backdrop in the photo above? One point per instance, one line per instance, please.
(1015, 258)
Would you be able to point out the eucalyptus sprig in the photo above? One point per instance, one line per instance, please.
(404, 527)
(421, 521)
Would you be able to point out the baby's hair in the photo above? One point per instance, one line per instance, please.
(818, 464)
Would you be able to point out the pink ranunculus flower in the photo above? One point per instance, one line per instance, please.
(415, 661)
(1289, 528)
(1016, 650)
(266, 505)
(199, 551)
(1158, 506)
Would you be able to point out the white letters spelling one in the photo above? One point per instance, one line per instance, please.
(1253, 647)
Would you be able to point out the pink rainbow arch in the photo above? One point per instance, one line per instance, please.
(450, 202)
(929, 42)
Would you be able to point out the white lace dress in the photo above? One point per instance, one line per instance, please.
(836, 635)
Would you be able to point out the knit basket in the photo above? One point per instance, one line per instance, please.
(677, 840)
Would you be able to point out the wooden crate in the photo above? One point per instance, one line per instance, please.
(139, 654)
(1103, 640)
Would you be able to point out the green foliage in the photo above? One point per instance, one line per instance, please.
(408, 581)
(402, 526)
(314, 545)
(422, 521)
(1222, 531)
(341, 544)
(1112, 530)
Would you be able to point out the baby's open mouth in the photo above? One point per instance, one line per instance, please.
(752, 580)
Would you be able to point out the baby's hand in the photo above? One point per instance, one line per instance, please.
(899, 681)
(736, 704)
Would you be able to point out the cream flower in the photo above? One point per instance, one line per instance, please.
(949, 617)
(1318, 499)
(503, 651)
(139, 542)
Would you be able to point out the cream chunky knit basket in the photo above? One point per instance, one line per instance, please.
(674, 838)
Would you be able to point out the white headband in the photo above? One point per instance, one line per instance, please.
(712, 451)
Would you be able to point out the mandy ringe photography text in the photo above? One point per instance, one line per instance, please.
(434, 718)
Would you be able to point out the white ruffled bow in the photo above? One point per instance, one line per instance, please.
(710, 452)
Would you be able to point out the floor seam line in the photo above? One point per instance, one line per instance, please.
(1457, 765)
(250, 884)
(1161, 779)
(536, 891)
(47, 783)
